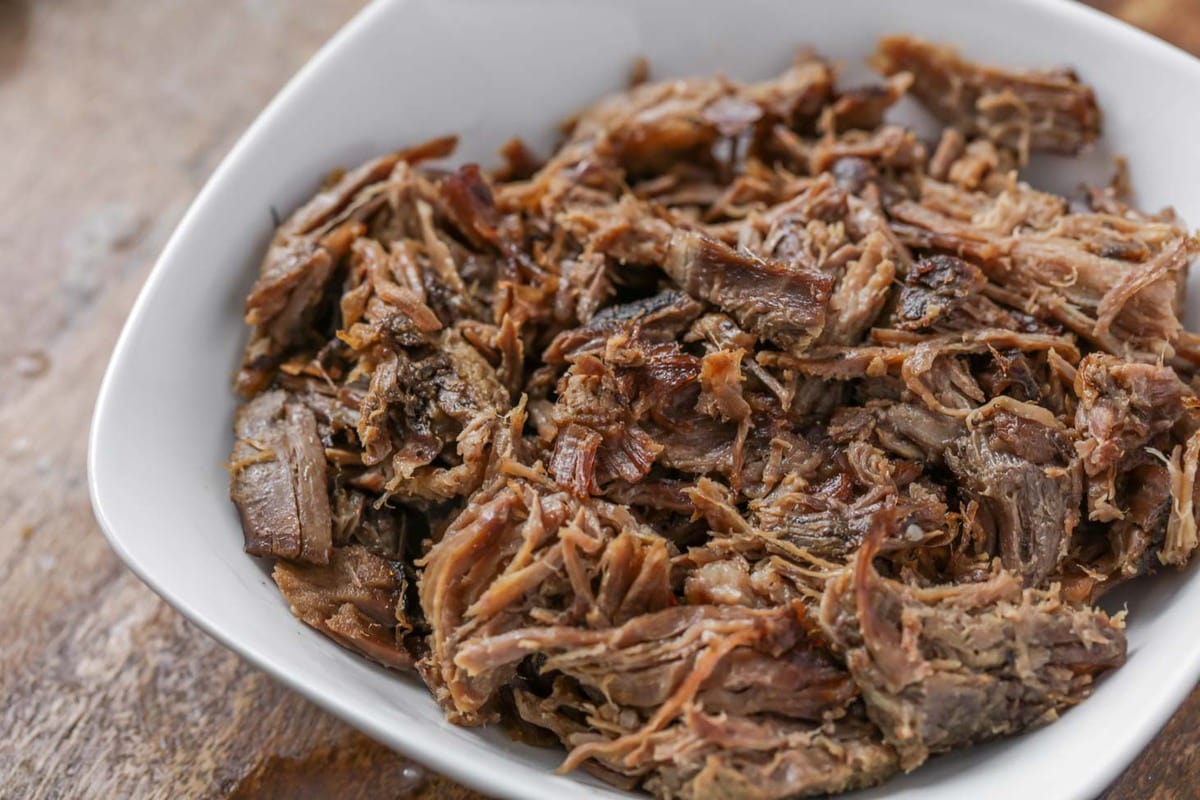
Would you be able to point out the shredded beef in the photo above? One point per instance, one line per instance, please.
(775, 300)
(1122, 409)
(947, 665)
(749, 445)
(1028, 487)
(1046, 109)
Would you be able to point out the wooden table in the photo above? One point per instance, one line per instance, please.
(112, 114)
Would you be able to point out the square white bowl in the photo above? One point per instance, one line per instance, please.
(406, 70)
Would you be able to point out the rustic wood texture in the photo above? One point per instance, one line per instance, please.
(112, 114)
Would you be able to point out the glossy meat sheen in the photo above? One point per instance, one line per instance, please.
(750, 445)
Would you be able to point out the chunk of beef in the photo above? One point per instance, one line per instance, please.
(1138, 537)
(673, 657)
(293, 281)
(573, 463)
(651, 126)
(913, 357)
(1122, 408)
(944, 666)
(454, 581)
(600, 438)
(833, 527)
(765, 759)
(978, 164)
(1060, 268)
(296, 277)
(1020, 376)
(653, 493)
(279, 480)
(1021, 470)
(1028, 110)
(379, 276)
(519, 555)
(357, 599)
(889, 148)
(911, 430)
(430, 404)
(721, 332)
(780, 302)
(699, 445)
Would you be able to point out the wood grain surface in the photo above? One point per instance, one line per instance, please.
(112, 114)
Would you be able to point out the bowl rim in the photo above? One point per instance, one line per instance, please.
(430, 751)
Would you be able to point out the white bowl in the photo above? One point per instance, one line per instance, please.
(402, 72)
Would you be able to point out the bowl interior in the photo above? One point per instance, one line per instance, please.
(406, 71)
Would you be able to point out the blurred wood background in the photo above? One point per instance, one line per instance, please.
(112, 115)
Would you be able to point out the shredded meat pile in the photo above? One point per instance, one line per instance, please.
(750, 446)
